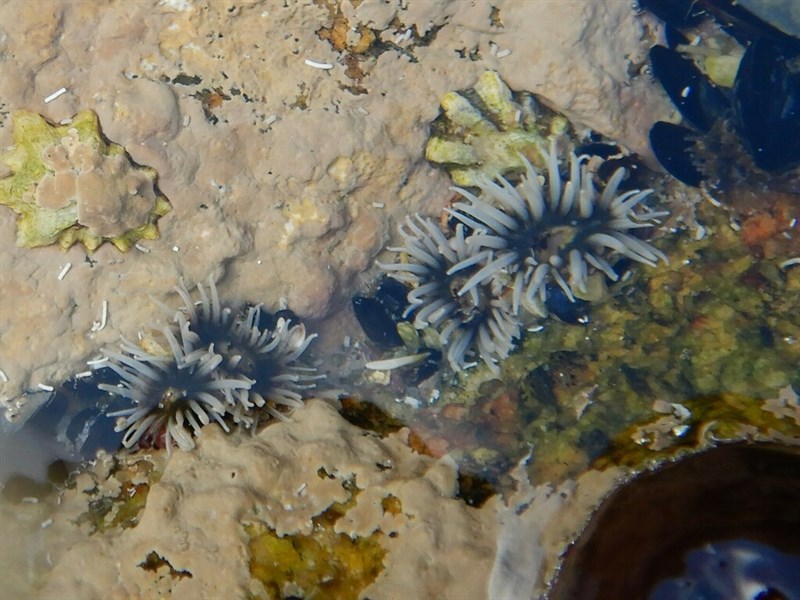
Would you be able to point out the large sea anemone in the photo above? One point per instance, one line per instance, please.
(438, 267)
(550, 230)
(223, 364)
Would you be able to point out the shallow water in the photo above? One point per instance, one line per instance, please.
(286, 182)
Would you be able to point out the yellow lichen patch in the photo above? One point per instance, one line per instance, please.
(323, 565)
(69, 185)
(482, 131)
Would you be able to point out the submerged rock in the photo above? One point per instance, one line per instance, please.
(69, 185)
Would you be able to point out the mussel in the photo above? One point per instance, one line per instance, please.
(752, 129)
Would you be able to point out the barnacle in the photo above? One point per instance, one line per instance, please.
(69, 185)
(483, 131)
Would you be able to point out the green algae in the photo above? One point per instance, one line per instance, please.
(68, 185)
(322, 565)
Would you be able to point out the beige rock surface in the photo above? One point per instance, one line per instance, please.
(437, 547)
(272, 166)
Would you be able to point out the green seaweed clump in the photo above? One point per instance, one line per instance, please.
(482, 131)
(323, 565)
(69, 185)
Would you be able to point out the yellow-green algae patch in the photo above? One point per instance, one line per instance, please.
(323, 565)
(68, 185)
(482, 131)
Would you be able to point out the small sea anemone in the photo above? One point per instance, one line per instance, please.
(169, 390)
(223, 363)
(549, 229)
(438, 267)
(271, 356)
(253, 345)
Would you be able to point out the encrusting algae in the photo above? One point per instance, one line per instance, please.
(483, 131)
(325, 564)
(69, 185)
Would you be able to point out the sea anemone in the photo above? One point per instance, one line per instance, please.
(510, 243)
(549, 229)
(170, 390)
(255, 346)
(438, 267)
(272, 355)
(223, 363)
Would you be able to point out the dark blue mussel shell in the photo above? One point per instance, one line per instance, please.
(566, 310)
(698, 100)
(764, 107)
(604, 150)
(376, 322)
(672, 145)
(269, 320)
(767, 102)
(394, 297)
(428, 367)
(379, 315)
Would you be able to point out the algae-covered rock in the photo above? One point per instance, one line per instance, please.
(482, 131)
(715, 330)
(325, 564)
(69, 185)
